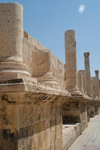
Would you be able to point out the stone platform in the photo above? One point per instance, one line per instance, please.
(90, 138)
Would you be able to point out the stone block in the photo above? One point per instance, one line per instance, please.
(83, 116)
(29, 143)
(12, 116)
(52, 146)
(48, 148)
(48, 113)
(92, 110)
(41, 137)
(9, 139)
(52, 131)
(22, 144)
(59, 144)
(29, 109)
(41, 66)
(35, 138)
(3, 115)
(47, 133)
(58, 130)
(22, 116)
(43, 112)
(37, 113)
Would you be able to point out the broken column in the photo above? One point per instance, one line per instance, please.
(88, 75)
(11, 36)
(97, 83)
(71, 62)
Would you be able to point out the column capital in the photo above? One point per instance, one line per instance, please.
(83, 71)
(96, 71)
(86, 54)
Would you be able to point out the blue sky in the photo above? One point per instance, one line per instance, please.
(47, 20)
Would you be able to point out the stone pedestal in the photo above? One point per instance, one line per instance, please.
(11, 36)
(88, 75)
(97, 108)
(97, 82)
(92, 110)
(88, 112)
(71, 62)
(42, 67)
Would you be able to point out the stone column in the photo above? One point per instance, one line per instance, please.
(84, 80)
(80, 80)
(11, 36)
(97, 82)
(88, 75)
(71, 62)
(93, 87)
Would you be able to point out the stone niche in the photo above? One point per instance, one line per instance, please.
(75, 112)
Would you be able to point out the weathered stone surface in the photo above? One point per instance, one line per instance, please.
(83, 116)
(58, 71)
(80, 81)
(92, 110)
(11, 22)
(70, 133)
(93, 83)
(11, 29)
(71, 66)
(88, 112)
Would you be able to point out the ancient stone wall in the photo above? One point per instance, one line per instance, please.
(26, 125)
(29, 45)
(40, 126)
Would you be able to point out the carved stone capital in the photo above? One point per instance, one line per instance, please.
(96, 71)
(86, 55)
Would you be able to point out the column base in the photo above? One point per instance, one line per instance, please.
(48, 79)
(74, 91)
(11, 70)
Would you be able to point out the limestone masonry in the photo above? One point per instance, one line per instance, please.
(44, 103)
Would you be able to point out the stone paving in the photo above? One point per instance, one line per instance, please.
(90, 138)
